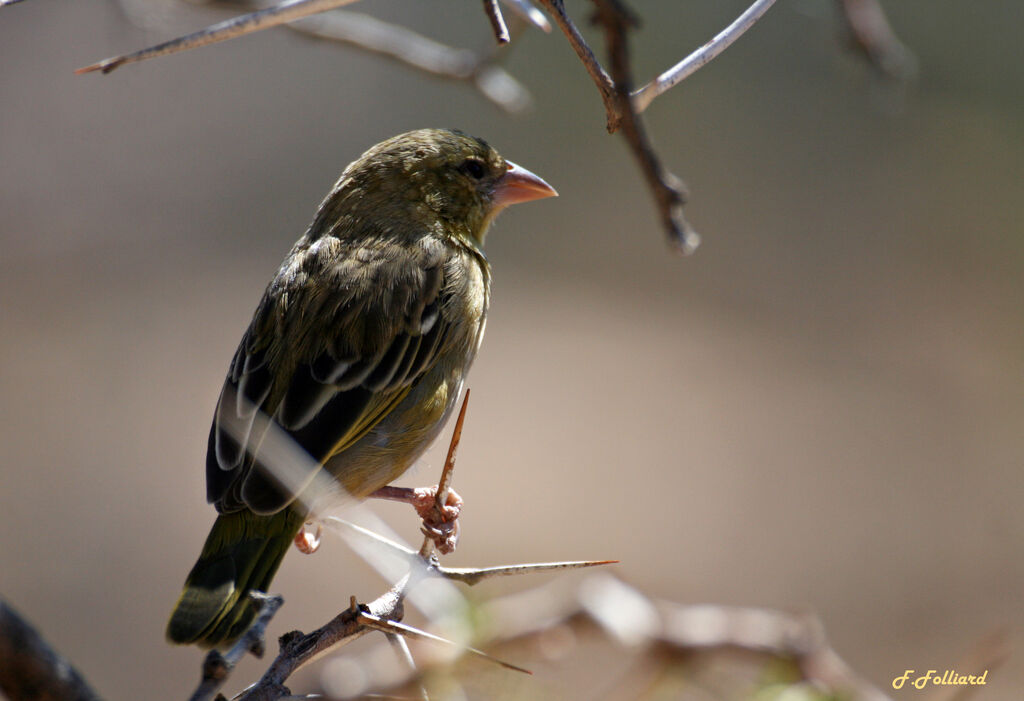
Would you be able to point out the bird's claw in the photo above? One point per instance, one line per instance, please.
(424, 500)
(307, 540)
(439, 524)
(445, 535)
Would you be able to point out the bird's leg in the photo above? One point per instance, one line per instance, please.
(307, 540)
(439, 524)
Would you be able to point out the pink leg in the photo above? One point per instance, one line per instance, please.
(308, 541)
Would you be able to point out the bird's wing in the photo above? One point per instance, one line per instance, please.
(377, 332)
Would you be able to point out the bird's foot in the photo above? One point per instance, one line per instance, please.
(307, 540)
(439, 524)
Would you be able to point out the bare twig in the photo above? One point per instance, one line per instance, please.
(287, 11)
(615, 89)
(643, 97)
(217, 666)
(422, 53)
(31, 669)
(493, 13)
(669, 192)
(601, 79)
(872, 34)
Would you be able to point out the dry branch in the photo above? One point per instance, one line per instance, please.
(874, 37)
(412, 49)
(498, 25)
(669, 192)
(643, 97)
(297, 649)
(217, 666)
(622, 106)
(31, 669)
(287, 11)
(597, 73)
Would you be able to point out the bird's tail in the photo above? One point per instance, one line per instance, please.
(241, 554)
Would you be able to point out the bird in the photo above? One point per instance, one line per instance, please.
(357, 351)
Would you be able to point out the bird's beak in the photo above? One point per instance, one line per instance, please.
(520, 185)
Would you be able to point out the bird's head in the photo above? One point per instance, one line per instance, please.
(435, 178)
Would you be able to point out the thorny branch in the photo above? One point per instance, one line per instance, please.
(217, 666)
(383, 614)
(297, 649)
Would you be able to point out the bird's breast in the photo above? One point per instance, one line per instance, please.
(401, 437)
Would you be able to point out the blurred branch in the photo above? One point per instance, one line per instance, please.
(286, 11)
(991, 652)
(874, 37)
(643, 97)
(405, 656)
(422, 53)
(31, 669)
(672, 633)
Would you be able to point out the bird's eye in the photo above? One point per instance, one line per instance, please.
(474, 168)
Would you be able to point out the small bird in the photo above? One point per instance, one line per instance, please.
(357, 350)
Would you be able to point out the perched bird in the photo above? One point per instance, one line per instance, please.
(358, 350)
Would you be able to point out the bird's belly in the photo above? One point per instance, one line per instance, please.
(394, 444)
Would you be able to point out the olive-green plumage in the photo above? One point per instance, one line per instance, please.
(357, 350)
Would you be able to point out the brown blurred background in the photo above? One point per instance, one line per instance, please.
(822, 409)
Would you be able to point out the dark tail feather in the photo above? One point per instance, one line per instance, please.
(241, 554)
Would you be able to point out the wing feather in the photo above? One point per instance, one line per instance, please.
(385, 330)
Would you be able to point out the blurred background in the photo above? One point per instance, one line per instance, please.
(820, 410)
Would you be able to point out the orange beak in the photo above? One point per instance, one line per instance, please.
(520, 185)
